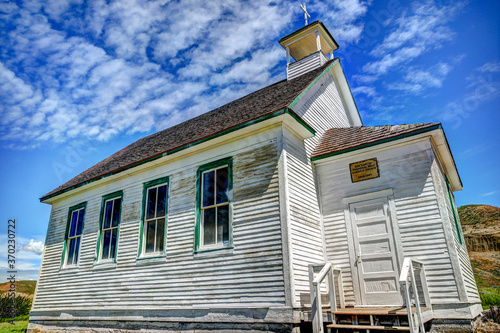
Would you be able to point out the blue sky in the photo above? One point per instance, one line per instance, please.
(81, 80)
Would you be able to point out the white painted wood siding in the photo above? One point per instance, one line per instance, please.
(460, 250)
(249, 276)
(407, 170)
(322, 108)
(306, 240)
(305, 65)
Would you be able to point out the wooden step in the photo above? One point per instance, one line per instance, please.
(370, 327)
(376, 311)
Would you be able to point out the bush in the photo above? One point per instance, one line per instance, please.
(22, 306)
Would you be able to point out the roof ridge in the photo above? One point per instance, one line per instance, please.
(255, 105)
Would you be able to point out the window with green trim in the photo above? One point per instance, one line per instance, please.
(154, 222)
(109, 226)
(74, 231)
(214, 225)
(454, 212)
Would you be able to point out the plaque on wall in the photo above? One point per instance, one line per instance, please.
(364, 170)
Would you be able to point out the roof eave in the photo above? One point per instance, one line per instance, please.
(329, 35)
(303, 128)
(438, 140)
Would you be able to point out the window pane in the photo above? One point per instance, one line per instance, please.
(223, 224)
(160, 234)
(74, 220)
(116, 212)
(150, 211)
(80, 222)
(162, 201)
(71, 251)
(114, 240)
(150, 236)
(77, 248)
(209, 226)
(208, 188)
(105, 244)
(107, 214)
(222, 185)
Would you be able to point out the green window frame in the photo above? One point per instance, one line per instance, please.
(73, 235)
(214, 197)
(153, 229)
(109, 227)
(454, 211)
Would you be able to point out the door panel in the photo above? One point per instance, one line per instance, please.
(375, 252)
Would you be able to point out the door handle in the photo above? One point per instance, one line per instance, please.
(359, 258)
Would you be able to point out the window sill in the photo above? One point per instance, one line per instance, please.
(69, 268)
(210, 252)
(145, 260)
(104, 265)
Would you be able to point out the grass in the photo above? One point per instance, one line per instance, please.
(19, 326)
(490, 296)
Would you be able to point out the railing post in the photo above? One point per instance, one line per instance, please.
(406, 288)
(314, 312)
(415, 295)
(425, 288)
(327, 271)
(341, 289)
(331, 293)
(319, 307)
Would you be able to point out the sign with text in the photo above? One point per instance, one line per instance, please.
(364, 170)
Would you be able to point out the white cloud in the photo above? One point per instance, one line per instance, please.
(414, 33)
(129, 66)
(343, 17)
(34, 246)
(417, 80)
(27, 262)
(489, 194)
(366, 90)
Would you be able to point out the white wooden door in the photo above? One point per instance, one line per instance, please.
(376, 260)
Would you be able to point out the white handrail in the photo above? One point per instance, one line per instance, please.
(315, 290)
(408, 285)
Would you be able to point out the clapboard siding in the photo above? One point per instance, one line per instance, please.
(407, 170)
(472, 294)
(304, 225)
(250, 276)
(305, 65)
(323, 109)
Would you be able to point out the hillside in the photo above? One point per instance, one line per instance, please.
(26, 288)
(481, 227)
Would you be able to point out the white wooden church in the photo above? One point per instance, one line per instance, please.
(277, 212)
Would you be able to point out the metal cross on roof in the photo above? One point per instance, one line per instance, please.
(306, 14)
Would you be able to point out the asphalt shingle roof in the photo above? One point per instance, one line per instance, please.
(241, 111)
(337, 140)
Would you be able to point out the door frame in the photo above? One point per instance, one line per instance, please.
(386, 193)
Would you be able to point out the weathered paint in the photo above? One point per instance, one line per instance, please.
(173, 151)
(151, 183)
(66, 233)
(223, 162)
(458, 251)
(248, 276)
(101, 215)
(408, 170)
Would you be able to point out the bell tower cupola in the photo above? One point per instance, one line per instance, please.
(308, 48)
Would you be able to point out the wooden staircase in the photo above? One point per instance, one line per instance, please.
(373, 319)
